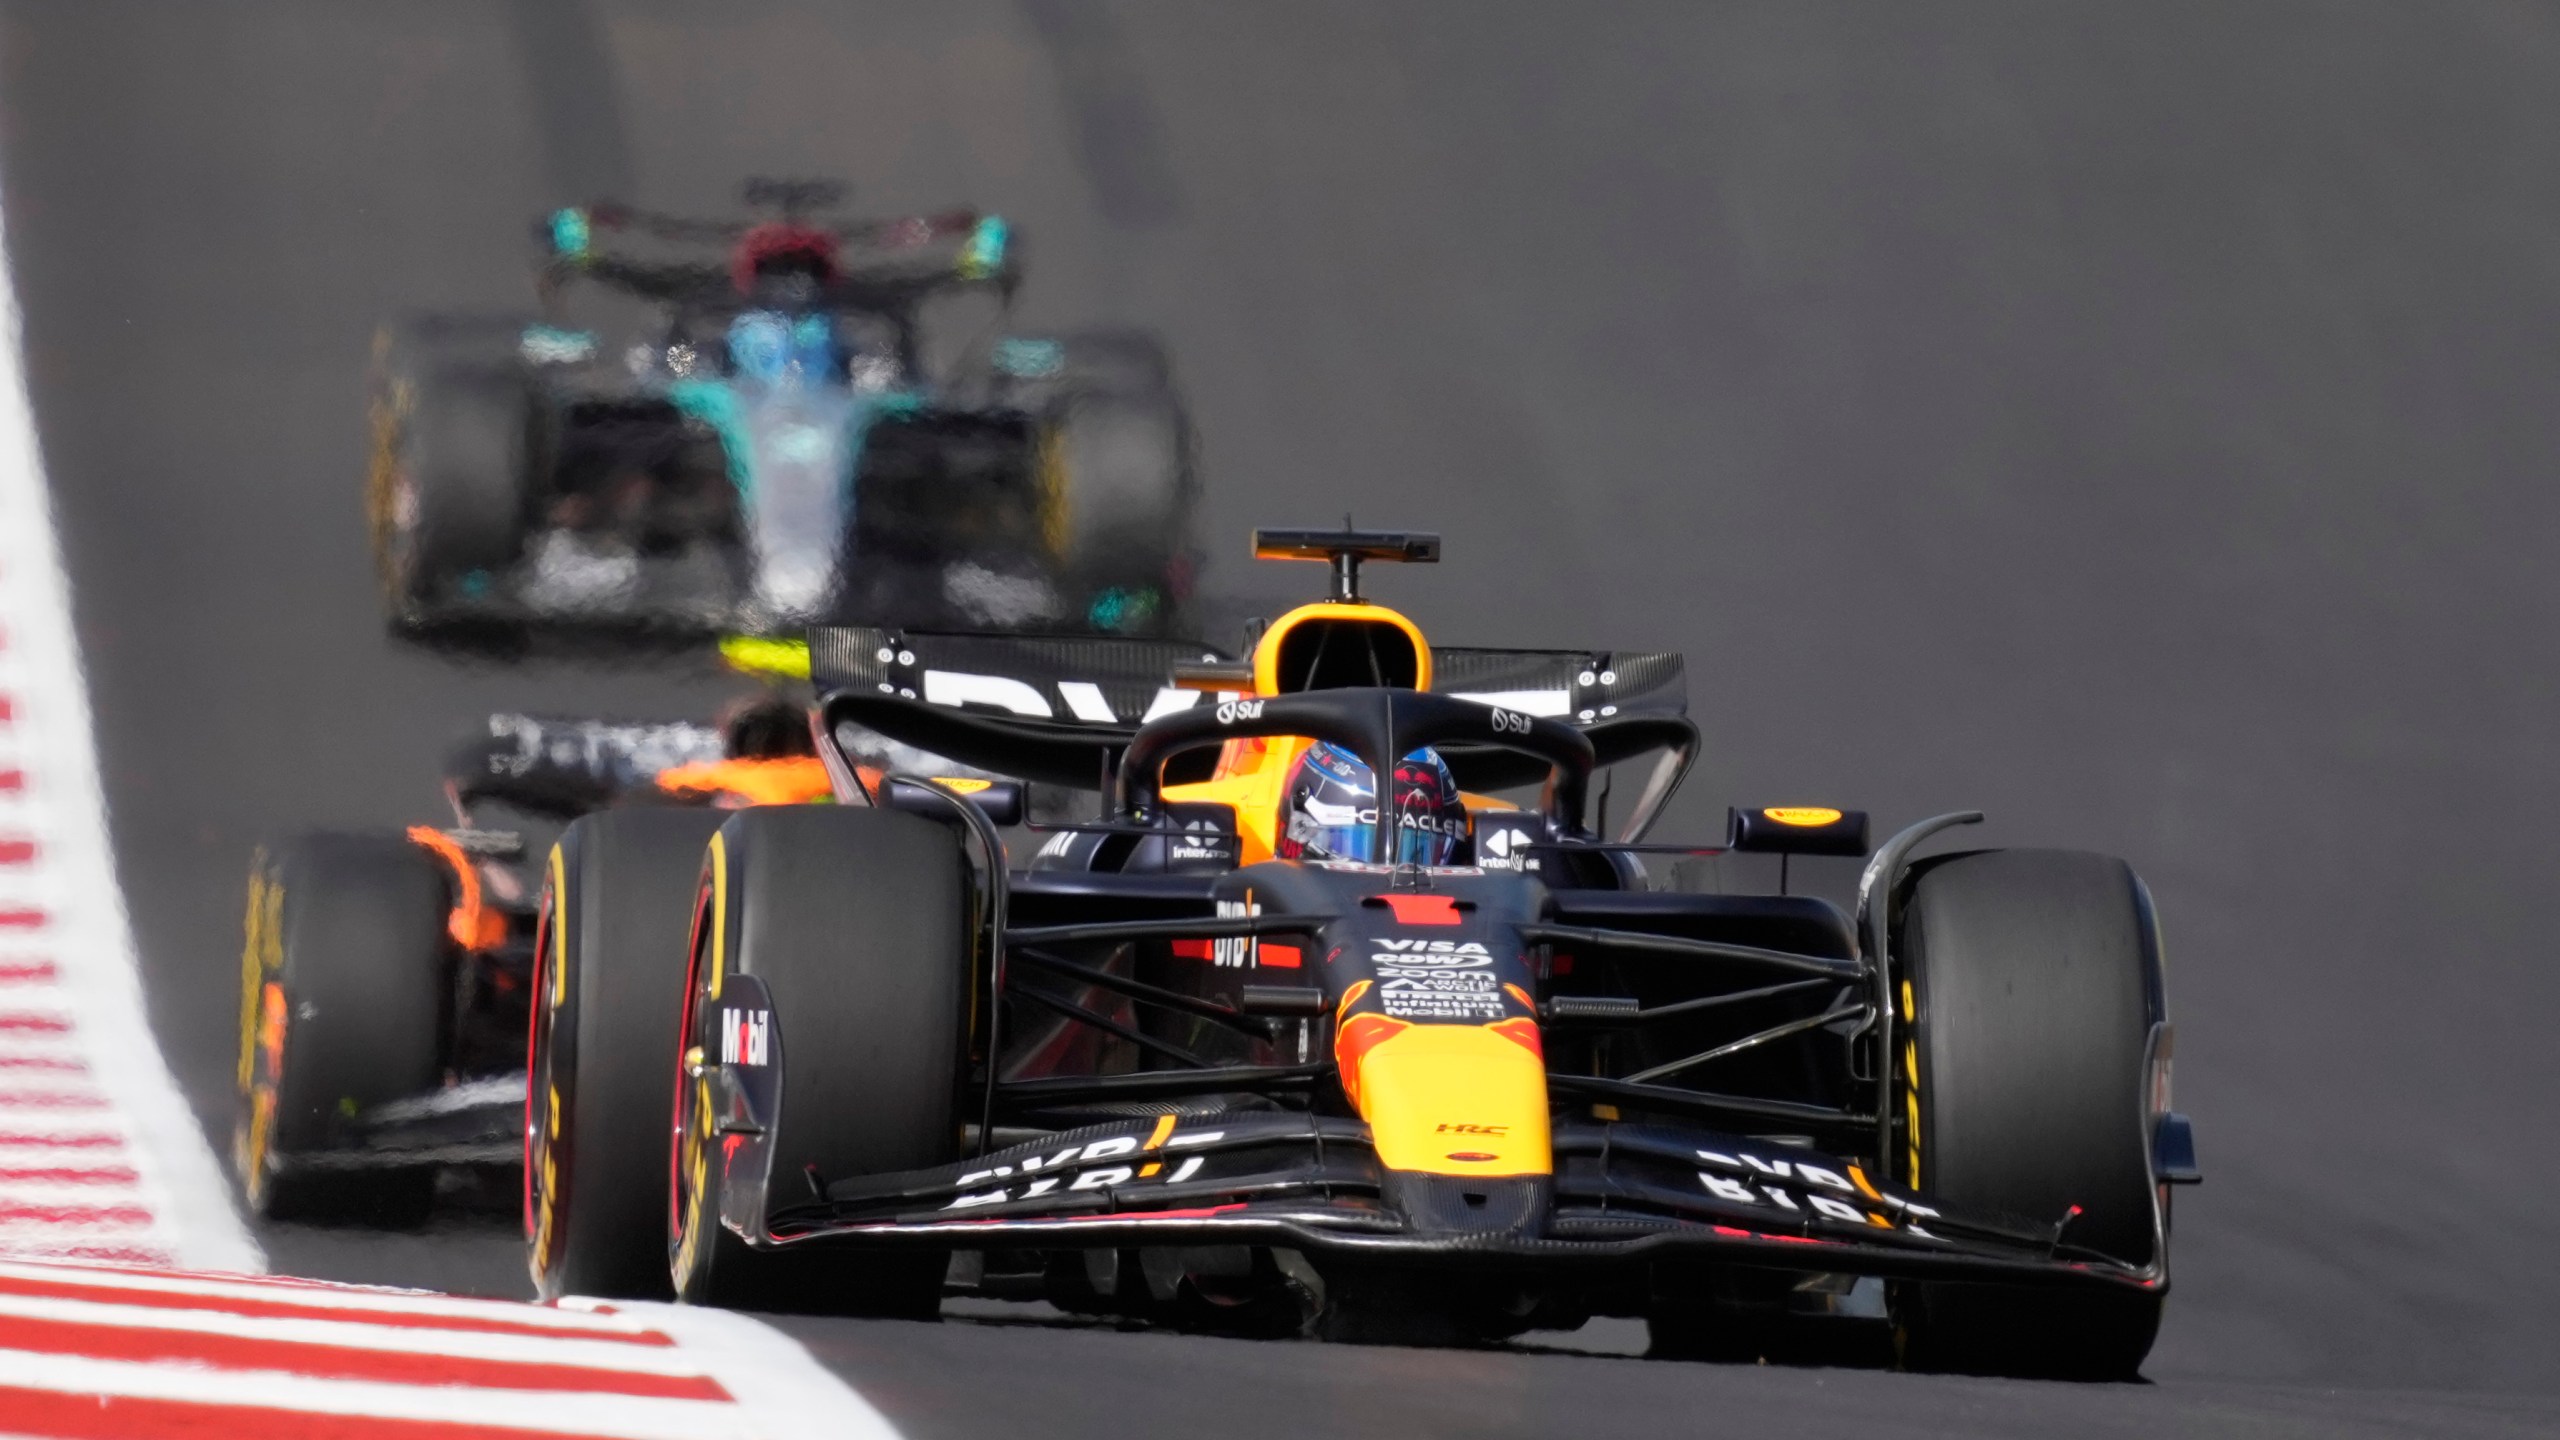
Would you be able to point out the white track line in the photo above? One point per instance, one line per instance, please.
(388, 1306)
(71, 879)
(569, 1413)
(782, 1389)
(356, 1334)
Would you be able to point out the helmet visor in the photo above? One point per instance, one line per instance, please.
(1347, 832)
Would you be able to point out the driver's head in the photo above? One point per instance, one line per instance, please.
(1332, 803)
(766, 728)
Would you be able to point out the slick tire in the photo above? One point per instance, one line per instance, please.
(344, 981)
(2034, 980)
(447, 493)
(857, 922)
(608, 994)
(1117, 468)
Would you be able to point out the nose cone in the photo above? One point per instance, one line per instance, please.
(1461, 1100)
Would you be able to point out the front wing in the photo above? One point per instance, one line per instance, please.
(1620, 1192)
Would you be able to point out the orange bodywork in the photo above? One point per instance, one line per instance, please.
(794, 780)
(1266, 651)
(472, 924)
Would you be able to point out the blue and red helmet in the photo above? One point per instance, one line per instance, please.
(1332, 809)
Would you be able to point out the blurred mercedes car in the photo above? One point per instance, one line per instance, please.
(723, 425)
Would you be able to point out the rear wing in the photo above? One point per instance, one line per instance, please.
(1055, 709)
(1060, 710)
(881, 263)
(1630, 703)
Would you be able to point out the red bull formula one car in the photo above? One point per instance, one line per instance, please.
(1272, 1044)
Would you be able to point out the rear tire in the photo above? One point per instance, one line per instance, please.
(857, 921)
(451, 417)
(609, 989)
(345, 977)
(1117, 473)
(2035, 982)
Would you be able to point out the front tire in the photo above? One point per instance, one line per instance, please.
(345, 976)
(2034, 985)
(608, 990)
(857, 923)
(447, 493)
(1117, 470)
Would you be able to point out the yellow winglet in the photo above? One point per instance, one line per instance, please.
(763, 655)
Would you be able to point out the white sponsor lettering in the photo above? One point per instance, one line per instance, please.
(1072, 1169)
(1085, 702)
(1534, 702)
(745, 1036)
(1837, 1210)
(1437, 980)
(1724, 1189)
(1169, 700)
(958, 687)
(1234, 951)
(1820, 1176)
(1803, 1173)
(1503, 847)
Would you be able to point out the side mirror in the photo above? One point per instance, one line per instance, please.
(999, 800)
(1797, 830)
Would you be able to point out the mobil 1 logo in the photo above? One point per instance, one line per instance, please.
(746, 1036)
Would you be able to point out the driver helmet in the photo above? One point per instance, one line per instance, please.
(770, 346)
(1333, 809)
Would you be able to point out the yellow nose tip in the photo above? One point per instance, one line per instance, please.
(1456, 1100)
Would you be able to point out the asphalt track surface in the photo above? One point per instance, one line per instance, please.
(2136, 422)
